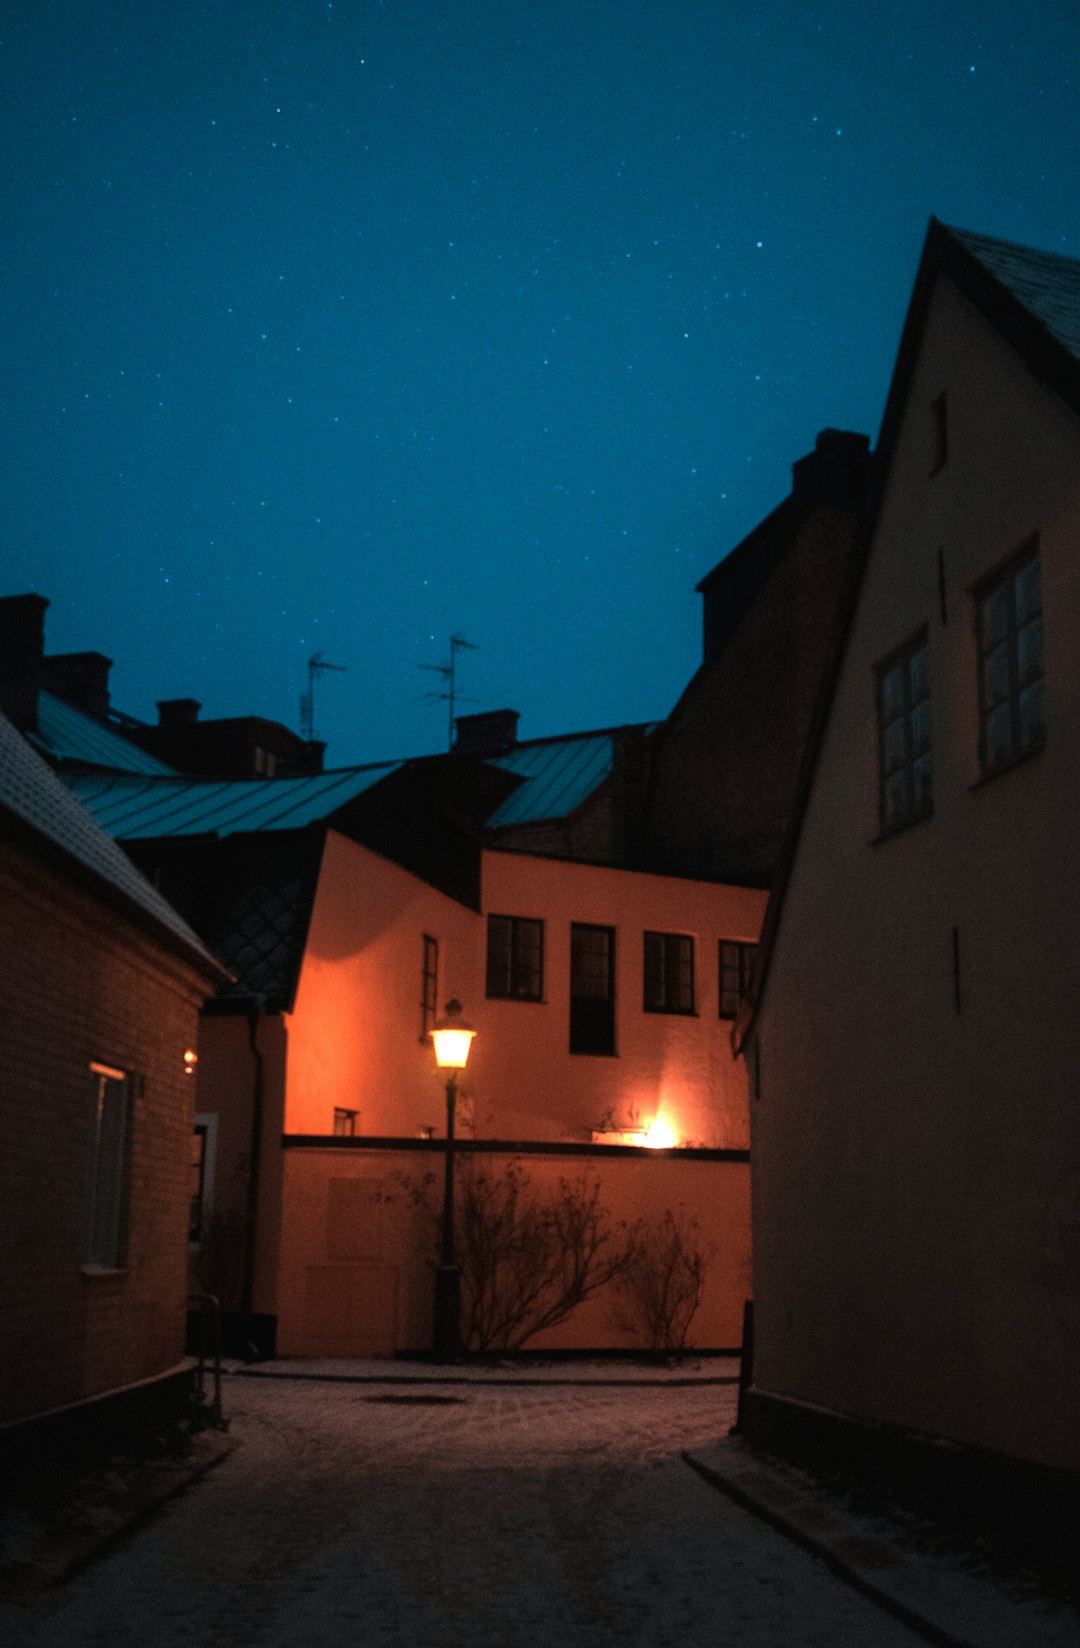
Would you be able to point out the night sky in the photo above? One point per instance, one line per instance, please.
(346, 326)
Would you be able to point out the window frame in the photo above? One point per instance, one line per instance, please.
(109, 1204)
(1006, 576)
(603, 1029)
(519, 967)
(347, 1120)
(916, 808)
(746, 950)
(671, 967)
(429, 985)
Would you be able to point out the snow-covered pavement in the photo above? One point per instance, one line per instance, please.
(434, 1516)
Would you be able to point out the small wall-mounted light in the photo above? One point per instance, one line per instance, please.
(191, 1059)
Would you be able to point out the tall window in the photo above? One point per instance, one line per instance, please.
(669, 973)
(592, 989)
(110, 1167)
(429, 985)
(1011, 665)
(906, 761)
(736, 966)
(198, 1181)
(515, 958)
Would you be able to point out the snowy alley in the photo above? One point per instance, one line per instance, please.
(498, 1516)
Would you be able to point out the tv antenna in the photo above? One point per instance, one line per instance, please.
(316, 666)
(448, 670)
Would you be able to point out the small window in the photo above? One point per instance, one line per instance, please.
(592, 989)
(198, 1181)
(939, 432)
(1011, 666)
(669, 973)
(429, 985)
(905, 755)
(345, 1124)
(515, 958)
(109, 1184)
(736, 966)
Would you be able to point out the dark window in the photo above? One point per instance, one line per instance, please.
(110, 1169)
(592, 989)
(905, 756)
(1011, 665)
(198, 1181)
(736, 965)
(345, 1124)
(515, 958)
(669, 973)
(939, 412)
(429, 985)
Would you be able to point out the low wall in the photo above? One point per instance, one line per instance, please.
(359, 1238)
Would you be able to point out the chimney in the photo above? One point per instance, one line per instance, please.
(22, 647)
(491, 733)
(836, 469)
(178, 712)
(80, 679)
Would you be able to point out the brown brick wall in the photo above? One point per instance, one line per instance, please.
(726, 764)
(81, 984)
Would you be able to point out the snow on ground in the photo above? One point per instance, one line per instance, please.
(434, 1516)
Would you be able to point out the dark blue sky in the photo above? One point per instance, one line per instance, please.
(346, 326)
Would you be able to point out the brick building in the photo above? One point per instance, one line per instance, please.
(724, 763)
(103, 984)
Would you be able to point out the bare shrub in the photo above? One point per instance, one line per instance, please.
(661, 1282)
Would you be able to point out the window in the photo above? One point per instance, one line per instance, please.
(939, 414)
(905, 757)
(669, 973)
(345, 1124)
(736, 966)
(198, 1181)
(515, 958)
(429, 985)
(109, 1178)
(1011, 665)
(592, 989)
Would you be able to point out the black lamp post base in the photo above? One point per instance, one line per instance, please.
(447, 1346)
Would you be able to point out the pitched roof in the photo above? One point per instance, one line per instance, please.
(1046, 283)
(45, 813)
(1032, 300)
(66, 734)
(558, 776)
(138, 809)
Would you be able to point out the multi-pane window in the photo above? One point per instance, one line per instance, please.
(736, 966)
(1011, 665)
(110, 1169)
(906, 757)
(515, 958)
(592, 989)
(429, 985)
(669, 973)
(345, 1124)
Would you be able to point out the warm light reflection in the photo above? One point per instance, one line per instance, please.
(660, 1135)
(191, 1059)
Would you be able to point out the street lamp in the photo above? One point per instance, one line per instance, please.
(452, 1039)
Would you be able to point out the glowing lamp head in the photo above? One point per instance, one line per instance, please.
(191, 1059)
(452, 1038)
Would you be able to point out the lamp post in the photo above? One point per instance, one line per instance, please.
(452, 1039)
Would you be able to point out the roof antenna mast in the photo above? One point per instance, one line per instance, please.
(448, 670)
(316, 665)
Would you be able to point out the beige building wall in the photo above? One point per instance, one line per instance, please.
(917, 1152)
